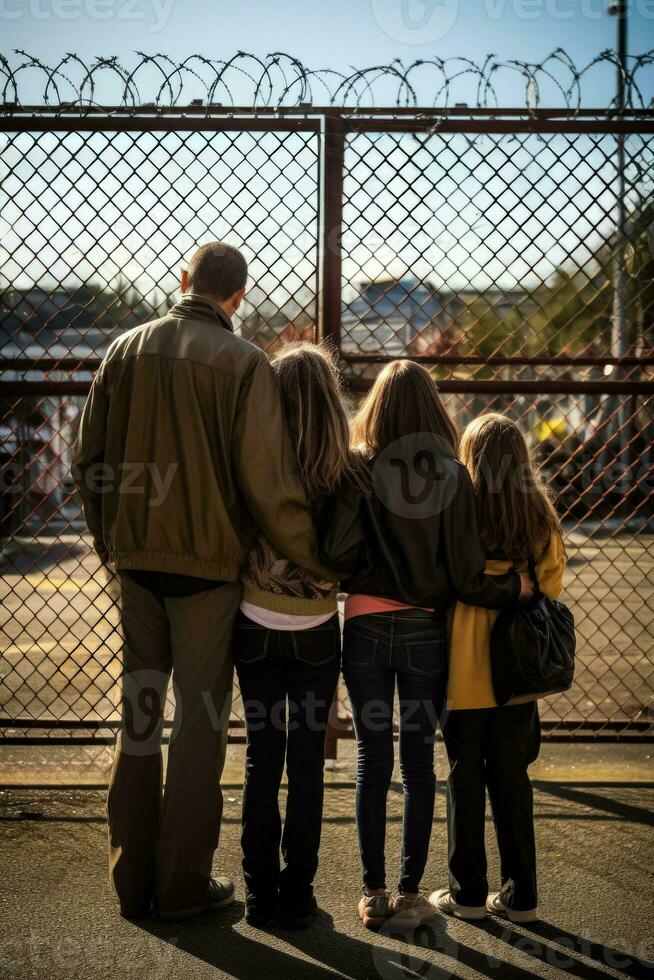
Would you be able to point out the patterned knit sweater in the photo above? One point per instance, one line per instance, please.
(273, 582)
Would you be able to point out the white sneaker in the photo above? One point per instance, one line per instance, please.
(495, 905)
(443, 901)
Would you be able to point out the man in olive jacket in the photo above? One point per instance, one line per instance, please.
(182, 448)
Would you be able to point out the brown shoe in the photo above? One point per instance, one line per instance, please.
(375, 910)
(220, 894)
(413, 909)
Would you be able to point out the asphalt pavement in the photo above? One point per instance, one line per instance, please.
(596, 853)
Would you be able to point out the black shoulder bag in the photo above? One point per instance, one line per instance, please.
(532, 647)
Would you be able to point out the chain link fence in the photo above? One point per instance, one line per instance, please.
(509, 250)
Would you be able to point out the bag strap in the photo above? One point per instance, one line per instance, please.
(531, 565)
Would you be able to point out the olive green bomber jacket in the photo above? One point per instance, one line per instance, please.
(182, 448)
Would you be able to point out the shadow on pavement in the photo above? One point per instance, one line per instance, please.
(617, 959)
(402, 953)
(596, 801)
(214, 941)
(396, 951)
(559, 948)
(424, 951)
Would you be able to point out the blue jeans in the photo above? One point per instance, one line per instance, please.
(407, 647)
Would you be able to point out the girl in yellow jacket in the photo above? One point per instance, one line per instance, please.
(491, 747)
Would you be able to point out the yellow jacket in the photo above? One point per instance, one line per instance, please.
(470, 684)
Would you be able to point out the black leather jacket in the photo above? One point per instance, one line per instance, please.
(414, 537)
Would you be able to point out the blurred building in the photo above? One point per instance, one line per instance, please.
(389, 315)
(36, 431)
(400, 317)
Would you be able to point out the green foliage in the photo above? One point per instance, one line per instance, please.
(571, 313)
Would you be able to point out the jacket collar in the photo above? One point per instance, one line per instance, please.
(190, 306)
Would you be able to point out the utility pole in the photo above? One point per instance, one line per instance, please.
(619, 331)
(621, 425)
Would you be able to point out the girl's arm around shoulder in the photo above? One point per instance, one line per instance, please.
(551, 567)
(464, 555)
(340, 529)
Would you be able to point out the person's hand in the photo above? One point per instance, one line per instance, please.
(526, 586)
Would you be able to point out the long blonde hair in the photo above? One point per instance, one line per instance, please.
(403, 400)
(514, 508)
(310, 386)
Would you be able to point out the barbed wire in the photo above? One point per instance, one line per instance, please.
(279, 80)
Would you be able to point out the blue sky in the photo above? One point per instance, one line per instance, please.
(439, 235)
(335, 34)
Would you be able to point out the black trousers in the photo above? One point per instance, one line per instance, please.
(287, 680)
(491, 748)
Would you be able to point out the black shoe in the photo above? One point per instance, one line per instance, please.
(220, 894)
(297, 911)
(261, 908)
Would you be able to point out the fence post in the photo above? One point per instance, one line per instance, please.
(620, 327)
(331, 224)
(332, 161)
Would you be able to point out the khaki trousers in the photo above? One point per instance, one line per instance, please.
(162, 844)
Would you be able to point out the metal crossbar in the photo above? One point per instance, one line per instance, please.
(482, 241)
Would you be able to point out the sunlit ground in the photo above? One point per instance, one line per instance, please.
(60, 642)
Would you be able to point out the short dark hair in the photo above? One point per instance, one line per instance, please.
(218, 270)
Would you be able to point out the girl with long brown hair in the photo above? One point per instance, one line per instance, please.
(404, 551)
(491, 747)
(287, 652)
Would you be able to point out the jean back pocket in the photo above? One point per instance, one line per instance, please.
(250, 643)
(425, 656)
(318, 646)
(359, 649)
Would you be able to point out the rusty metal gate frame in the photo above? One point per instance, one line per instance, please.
(332, 127)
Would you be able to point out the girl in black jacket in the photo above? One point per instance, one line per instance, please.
(404, 551)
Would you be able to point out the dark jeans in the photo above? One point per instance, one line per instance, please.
(274, 667)
(409, 648)
(492, 747)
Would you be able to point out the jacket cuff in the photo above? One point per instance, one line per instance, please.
(101, 550)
